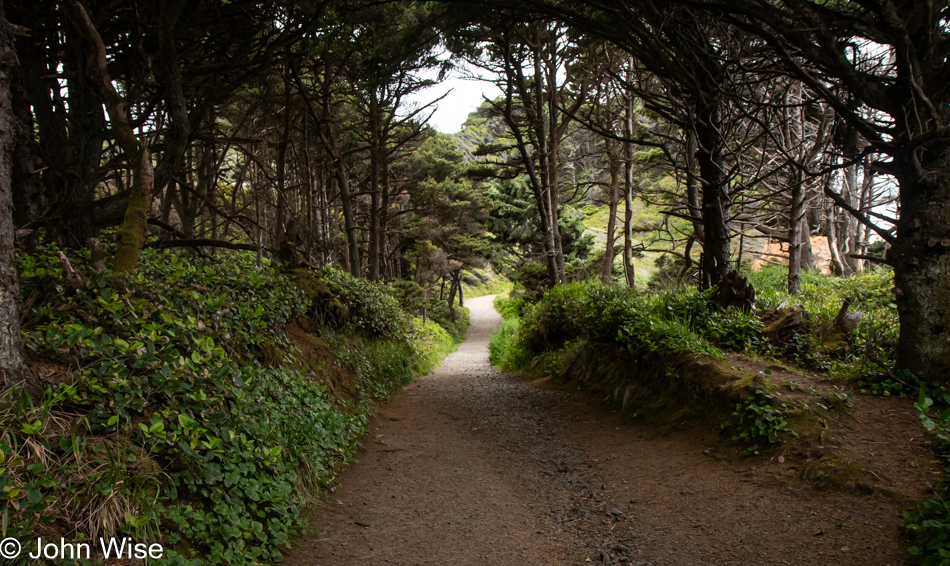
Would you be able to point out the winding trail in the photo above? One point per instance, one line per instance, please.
(473, 466)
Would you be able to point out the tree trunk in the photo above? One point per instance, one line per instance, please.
(281, 201)
(710, 157)
(130, 237)
(848, 224)
(921, 260)
(831, 230)
(554, 133)
(168, 73)
(328, 137)
(693, 198)
(796, 217)
(612, 219)
(808, 256)
(628, 269)
(349, 220)
(536, 183)
(71, 130)
(384, 218)
(13, 366)
(26, 182)
(374, 187)
(455, 285)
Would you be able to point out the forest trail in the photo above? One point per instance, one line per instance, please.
(474, 466)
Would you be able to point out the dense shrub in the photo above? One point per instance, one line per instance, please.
(605, 314)
(510, 308)
(570, 310)
(872, 345)
(431, 343)
(501, 351)
(727, 328)
(456, 324)
(184, 419)
(373, 310)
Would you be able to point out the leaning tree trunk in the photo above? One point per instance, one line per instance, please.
(130, 237)
(13, 366)
(328, 136)
(921, 252)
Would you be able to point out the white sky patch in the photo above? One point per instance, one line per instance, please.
(465, 96)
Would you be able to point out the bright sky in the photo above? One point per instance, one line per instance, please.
(452, 110)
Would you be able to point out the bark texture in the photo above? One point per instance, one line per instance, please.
(13, 366)
(710, 156)
(921, 259)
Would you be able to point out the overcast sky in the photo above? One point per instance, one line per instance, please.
(452, 110)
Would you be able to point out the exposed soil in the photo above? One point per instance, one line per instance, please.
(471, 465)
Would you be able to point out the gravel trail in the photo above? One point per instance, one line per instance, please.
(474, 466)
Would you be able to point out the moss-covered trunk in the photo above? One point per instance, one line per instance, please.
(130, 237)
(131, 234)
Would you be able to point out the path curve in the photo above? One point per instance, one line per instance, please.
(473, 466)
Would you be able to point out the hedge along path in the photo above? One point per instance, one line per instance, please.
(470, 465)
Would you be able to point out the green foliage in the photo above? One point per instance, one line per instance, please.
(502, 352)
(373, 310)
(456, 324)
(902, 382)
(531, 282)
(726, 328)
(493, 285)
(432, 343)
(184, 417)
(759, 420)
(652, 331)
(25, 489)
(613, 314)
(871, 346)
(687, 318)
(668, 273)
(508, 307)
(928, 522)
(412, 299)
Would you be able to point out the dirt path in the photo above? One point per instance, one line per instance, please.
(472, 466)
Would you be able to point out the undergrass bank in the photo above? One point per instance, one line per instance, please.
(661, 353)
(190, 405)
(609, 340)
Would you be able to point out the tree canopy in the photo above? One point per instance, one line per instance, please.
(287, 129)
